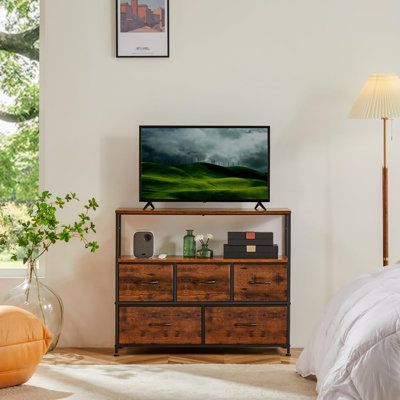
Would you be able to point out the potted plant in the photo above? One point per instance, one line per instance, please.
(204, 251)
(30, 238)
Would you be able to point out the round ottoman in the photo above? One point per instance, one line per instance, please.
(23, 341)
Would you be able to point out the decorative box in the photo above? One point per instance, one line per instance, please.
(250, 251)
(251, 238)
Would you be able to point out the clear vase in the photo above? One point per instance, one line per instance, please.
(189, 244)
(34, 296)
(204, 252)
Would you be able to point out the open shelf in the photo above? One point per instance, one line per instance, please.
(218, 259)
(200, 211)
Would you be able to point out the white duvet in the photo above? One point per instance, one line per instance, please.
(355, 351)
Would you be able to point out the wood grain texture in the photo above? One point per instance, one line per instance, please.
(145, 282)
(199, 211)
(216, 260)
(246, 325)
(160, 325)
(260, 282)
(154, 356)
(208, 282)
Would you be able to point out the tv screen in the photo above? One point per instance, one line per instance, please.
(204, 163)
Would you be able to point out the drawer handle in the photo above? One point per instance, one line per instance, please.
(210, 282)
(151, 283)
(246, 324)
(160, 324)
(260, 283)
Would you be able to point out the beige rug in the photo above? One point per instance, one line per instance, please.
(164, 382)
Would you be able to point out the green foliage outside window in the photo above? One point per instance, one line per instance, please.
(19, 106)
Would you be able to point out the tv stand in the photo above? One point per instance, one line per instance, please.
(149, 204)
(259, 204)
(198, 303)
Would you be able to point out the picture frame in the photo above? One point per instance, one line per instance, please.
(142, 28)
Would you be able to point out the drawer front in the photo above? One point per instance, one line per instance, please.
(203, 282)
(160, 325)
(246, 325)
(260, 282)
(145, 282)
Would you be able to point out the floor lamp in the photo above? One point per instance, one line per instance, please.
(380, 99)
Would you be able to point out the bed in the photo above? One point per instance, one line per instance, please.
(355, 351)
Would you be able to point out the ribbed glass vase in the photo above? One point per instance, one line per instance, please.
(189, 245)
(34, 296)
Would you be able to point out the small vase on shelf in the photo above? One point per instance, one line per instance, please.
(189, 244)
(204, 252)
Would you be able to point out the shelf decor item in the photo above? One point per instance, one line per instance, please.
(204, 251)
(380, 99)
(142, 28)
(30, 239)
(189, 244)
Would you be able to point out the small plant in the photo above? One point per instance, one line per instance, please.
(32, 236)
(200, 238)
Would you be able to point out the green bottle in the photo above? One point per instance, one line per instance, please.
(189, 245)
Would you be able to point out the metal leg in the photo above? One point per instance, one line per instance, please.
(116, 351)
(288, 354)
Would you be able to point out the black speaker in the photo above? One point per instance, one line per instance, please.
(143, 244)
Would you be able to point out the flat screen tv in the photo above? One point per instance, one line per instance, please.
(204, 163)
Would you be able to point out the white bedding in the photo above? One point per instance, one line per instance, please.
(355, 351)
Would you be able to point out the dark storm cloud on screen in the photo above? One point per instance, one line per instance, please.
(245, 147)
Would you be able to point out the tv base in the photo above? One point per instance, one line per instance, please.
(259, 204)
(149, 204)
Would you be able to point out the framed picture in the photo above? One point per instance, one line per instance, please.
(142, 28)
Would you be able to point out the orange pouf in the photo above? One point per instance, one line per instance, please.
(23, 341)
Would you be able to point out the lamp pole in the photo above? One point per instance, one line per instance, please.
(385, 197)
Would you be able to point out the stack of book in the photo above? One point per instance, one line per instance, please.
(250, 245)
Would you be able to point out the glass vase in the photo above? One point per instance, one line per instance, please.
(204, 252)
(189, 245)
(34, 296)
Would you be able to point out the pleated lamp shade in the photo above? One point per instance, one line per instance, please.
(379, 98)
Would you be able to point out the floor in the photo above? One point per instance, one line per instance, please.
(98, 356)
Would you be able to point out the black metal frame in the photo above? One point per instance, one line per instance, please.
(118, 2)
(141, 199)
(203, 304)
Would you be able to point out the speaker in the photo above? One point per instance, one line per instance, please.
(143, 244)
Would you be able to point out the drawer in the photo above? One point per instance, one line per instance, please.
(145, 282)
(246, 325)
(160, 325)
(260, 282)
(203, 282)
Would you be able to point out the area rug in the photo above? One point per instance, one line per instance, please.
(164, 382)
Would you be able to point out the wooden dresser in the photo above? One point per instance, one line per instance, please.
(181, 302)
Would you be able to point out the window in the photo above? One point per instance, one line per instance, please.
(19, 111)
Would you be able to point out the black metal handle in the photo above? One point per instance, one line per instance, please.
(210, 282)
(260, 283)
(160, 324)
(151, 282)
(246, 324)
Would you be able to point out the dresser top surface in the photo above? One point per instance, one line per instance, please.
(199, 211)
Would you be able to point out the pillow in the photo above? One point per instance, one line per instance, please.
(23, 341)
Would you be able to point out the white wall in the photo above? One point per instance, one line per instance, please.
(296, 65)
